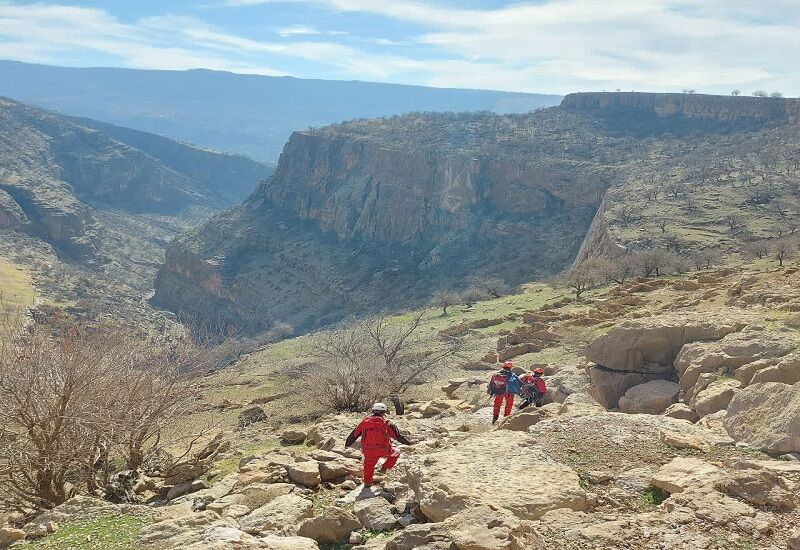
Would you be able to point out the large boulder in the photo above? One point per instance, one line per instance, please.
(9, 535)
(684, 473)
(375, 514)
(609, 385)
(334, 524)
(715, 397)
(786, 371)
(759, 487)
(478, 470)
(730, 353)
(766, 416)
(282, 515)
(650, 346)
(274, 542)
(305, 473)
(649, 398)
(484, 528)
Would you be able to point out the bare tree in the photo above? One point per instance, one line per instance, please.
(759, 93)
(776, 95)
(445, 300)
(736, 92)
(582, 277)
(707, 258)
(757, 249)
(662, 223)
(472, 295)
(375, 358)
(78, 403)
(652, 262)
(494, 287)
(618, 270)
(783, 249)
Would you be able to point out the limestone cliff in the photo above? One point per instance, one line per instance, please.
(375, 214)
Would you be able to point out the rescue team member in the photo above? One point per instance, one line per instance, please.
(376, 435)
(533, 388)
(503, 385)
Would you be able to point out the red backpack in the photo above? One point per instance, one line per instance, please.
(375, 435)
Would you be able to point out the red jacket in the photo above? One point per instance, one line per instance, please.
(376, 435)
(537, 382)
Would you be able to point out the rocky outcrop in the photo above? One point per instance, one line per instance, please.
(456, 479)
(766, 416)
(690, 106)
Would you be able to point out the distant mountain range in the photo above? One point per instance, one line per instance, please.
(248, 114)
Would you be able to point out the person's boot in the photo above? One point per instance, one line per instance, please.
(494, 419)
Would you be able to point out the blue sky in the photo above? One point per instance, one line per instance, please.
(550, 46)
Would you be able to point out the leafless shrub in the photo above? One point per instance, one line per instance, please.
(375, 358)
(707, 258)
(582, 277)
(757, 249)
(493, 287)
(79, 403)
(652, 262)
(445, 300)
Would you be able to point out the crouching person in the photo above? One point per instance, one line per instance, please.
(376, 435)
(533, 389)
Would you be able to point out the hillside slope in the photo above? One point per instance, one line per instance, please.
(55, 172)
(248, 114)
(381, 213)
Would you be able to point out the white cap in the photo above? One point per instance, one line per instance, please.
(379, 407)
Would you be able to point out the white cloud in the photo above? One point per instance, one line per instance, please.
(562, 45)
(553, 46)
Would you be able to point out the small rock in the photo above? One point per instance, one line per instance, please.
(356, 538)
(293, 437)
(375, 514)
(305, 473)
(251, 415)
(9, 535)
(685, 440)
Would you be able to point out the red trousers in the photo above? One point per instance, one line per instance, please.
(498, 400)
(372, 460)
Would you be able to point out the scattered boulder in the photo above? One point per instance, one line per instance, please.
(9, 535)
(715, 397)
(273, 542)
(305, 473)
(375, 514)
(483, 528)
(681, 411)
(684, 473)
(765, 416)
(609, 385)
(649, 398)
(759, 487)
(684, 440)
(520, 421)
(710, 506)
(651, 346)
(293, 437)
(282, 515)
(251, 415)
(580, 403)
(334, 524)
(786, 371)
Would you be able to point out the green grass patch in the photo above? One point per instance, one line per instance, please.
(103, 533)
(16, 288)
(653, 496)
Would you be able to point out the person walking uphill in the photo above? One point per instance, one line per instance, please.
(503, 385)
(376, 435)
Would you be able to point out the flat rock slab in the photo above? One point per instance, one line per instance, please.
(477, 472)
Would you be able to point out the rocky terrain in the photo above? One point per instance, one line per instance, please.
(672, 422)
(87, 208)
(375, 214)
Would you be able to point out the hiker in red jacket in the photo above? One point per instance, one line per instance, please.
(533, 388)
(503, 386)
(376, 435)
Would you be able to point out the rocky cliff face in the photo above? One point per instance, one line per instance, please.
(691, 106)
(379, 214)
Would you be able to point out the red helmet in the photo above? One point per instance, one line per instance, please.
(508, 365)
(539, 372)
